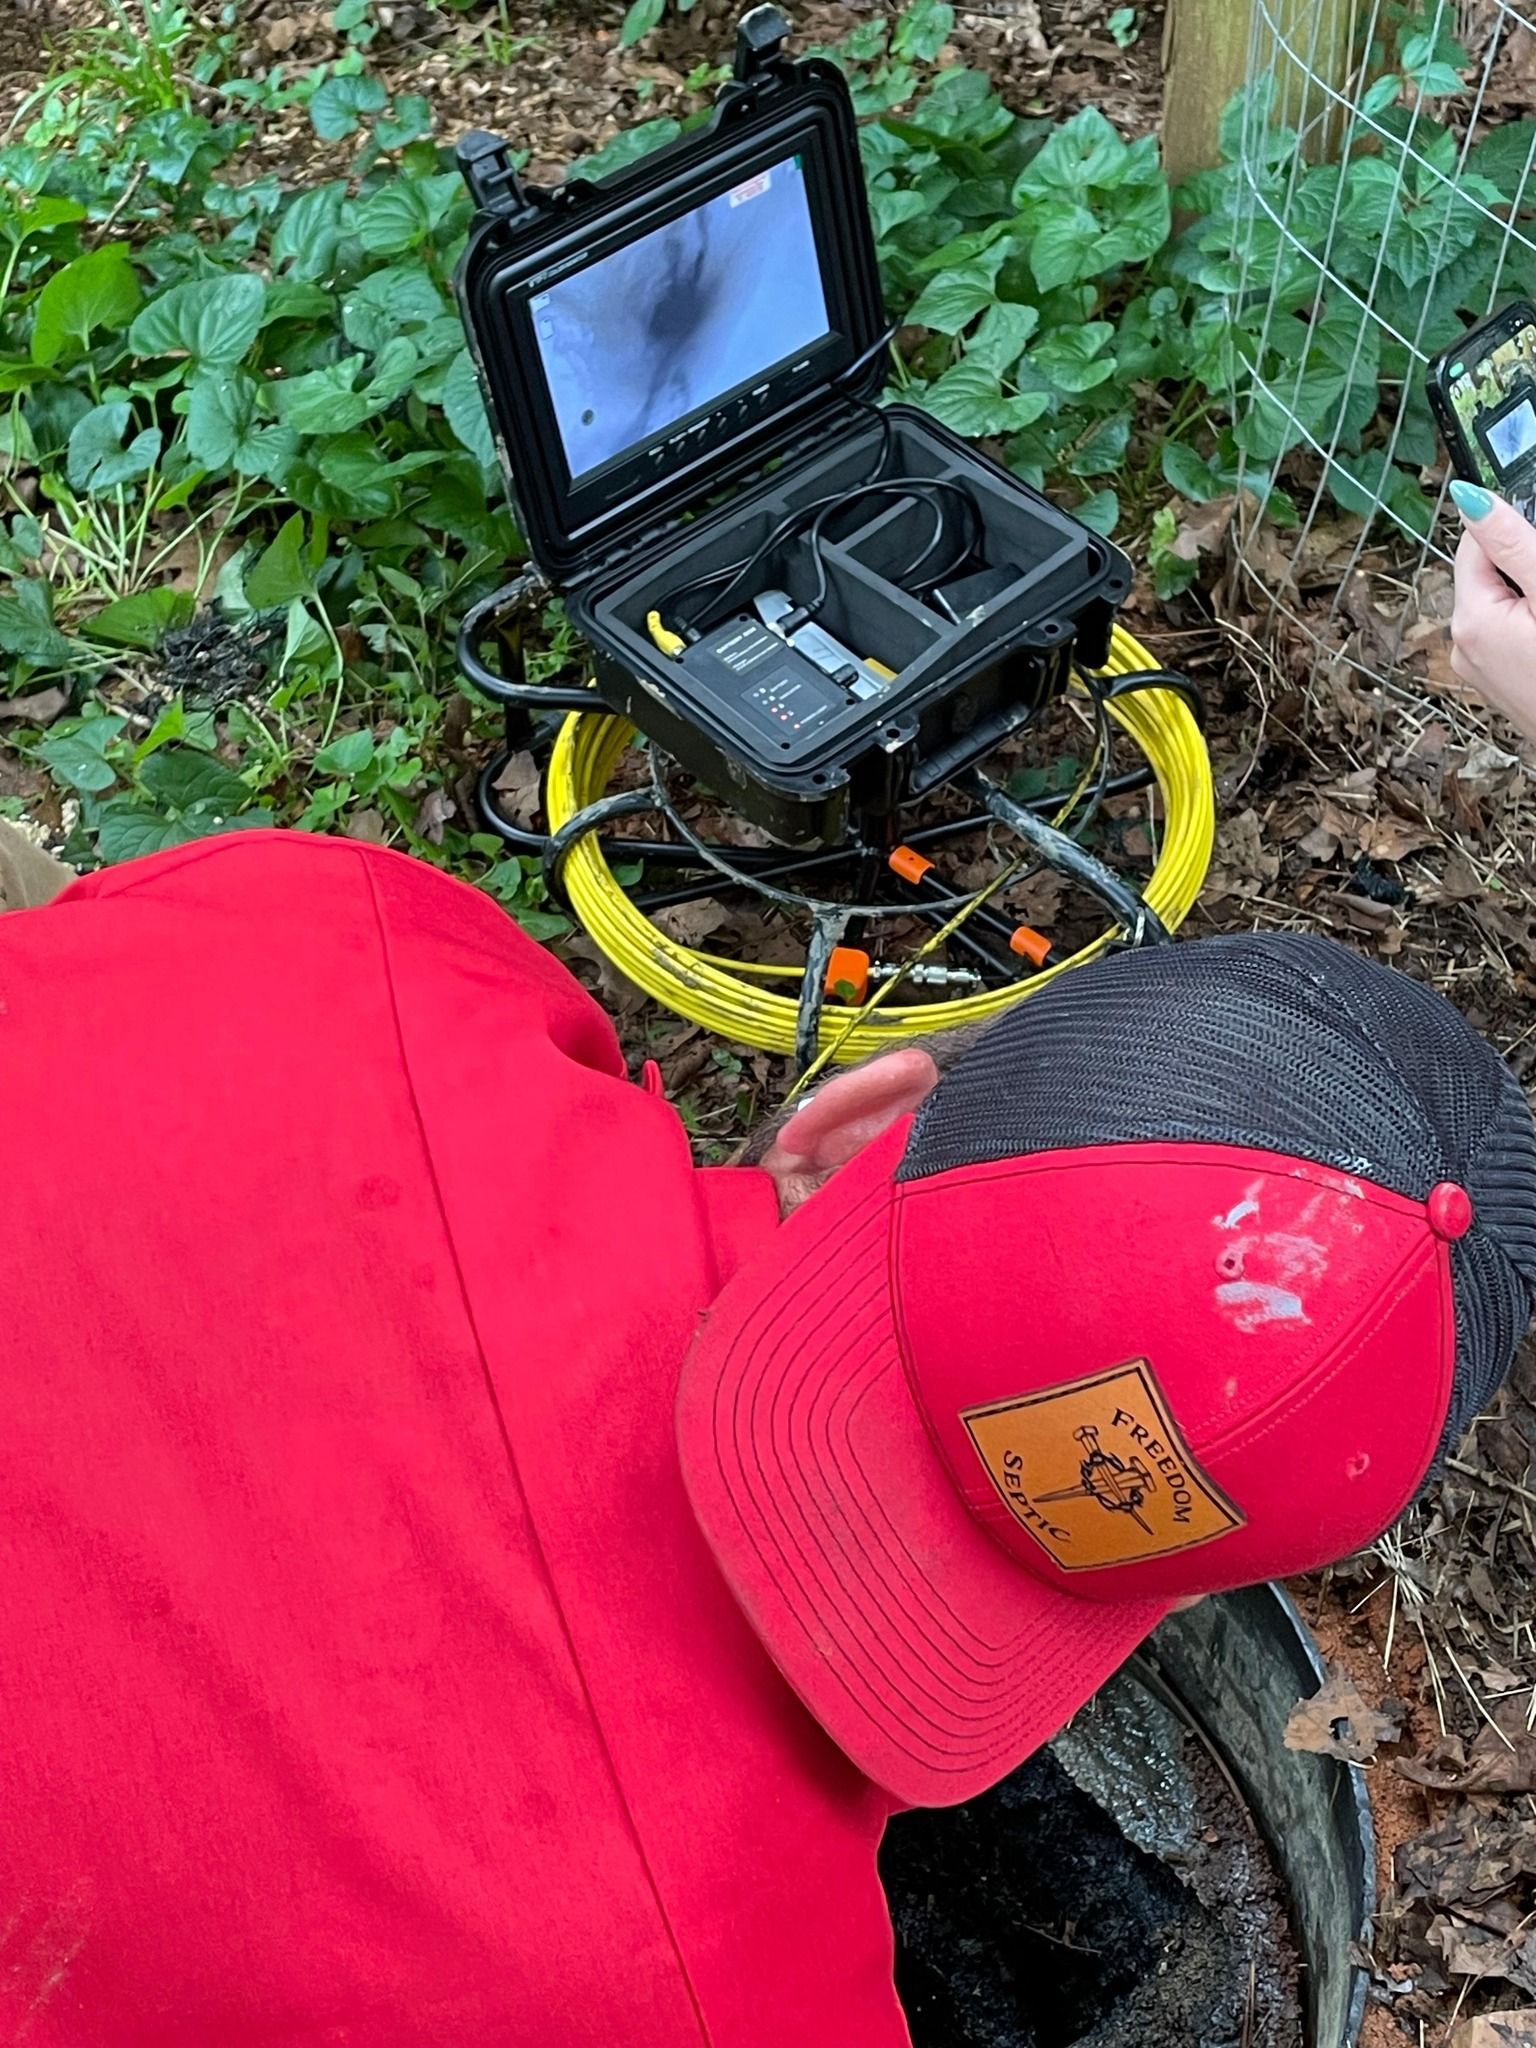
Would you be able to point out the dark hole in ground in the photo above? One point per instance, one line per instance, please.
(1028, 1918)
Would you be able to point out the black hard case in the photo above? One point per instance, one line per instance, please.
(720, 491)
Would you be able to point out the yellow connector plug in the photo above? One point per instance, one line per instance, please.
(670, 643)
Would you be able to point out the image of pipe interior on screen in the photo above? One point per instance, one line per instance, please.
(654, 332)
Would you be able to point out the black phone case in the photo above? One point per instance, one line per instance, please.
(1466, 460)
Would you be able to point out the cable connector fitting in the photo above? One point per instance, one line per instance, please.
(927, 974)
(670, 643)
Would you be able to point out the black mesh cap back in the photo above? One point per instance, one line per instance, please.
(1279, 1042)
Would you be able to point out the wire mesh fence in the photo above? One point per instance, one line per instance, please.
(1386, 197)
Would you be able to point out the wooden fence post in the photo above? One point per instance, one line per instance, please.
(1205, 61)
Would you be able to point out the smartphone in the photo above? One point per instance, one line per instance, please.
(1482, 392)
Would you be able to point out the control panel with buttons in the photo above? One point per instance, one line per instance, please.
(725, 420)
(772, 686)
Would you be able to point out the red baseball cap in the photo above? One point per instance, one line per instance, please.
(1182, 1279)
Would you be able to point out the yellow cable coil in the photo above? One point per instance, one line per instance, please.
(720, 995)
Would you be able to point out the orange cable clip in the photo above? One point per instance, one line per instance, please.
(911, 865)
(848, 974)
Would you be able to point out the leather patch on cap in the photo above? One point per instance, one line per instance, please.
(1098, 1471)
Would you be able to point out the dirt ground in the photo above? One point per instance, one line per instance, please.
(1392, 816)
(557, 83)
(21, 46)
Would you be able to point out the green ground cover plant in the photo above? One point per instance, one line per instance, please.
(247, 482)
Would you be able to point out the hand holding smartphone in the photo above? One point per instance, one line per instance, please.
(1483, 394)
(1482, 391)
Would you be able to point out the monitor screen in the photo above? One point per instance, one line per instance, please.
(666, 326)
(1514, 435)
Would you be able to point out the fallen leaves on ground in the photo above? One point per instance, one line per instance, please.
(1493, 1762)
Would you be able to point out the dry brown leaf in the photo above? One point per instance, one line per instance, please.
(1038, 900)
(457, 713)
(1393, 839)
(1339, 682)
(1430, 641)
(1487, 770)
(727, 829)
(406, 20)
(689, 923)
(1342, 822)
(1469, 1950)
(183, 567)
(1203, 529)
(1265, 559)
(1329, 551)
(1520, 55)
(1496, 1678)
(1027, 30)
(1507, 1448)
(1446, 1758)
(619, 994)
(437, 807)
(1245, 860)
(1495, 1764)
(1360, 913)
(1481, 1947)
(1337, 1722)
(1357, 790)
(365, 825)
(29, 874)
(42, 707)
(1460, 882)
(1319, 844)
(1424, 761)
(1434, 592)
(519, 785)
(1511, 930)
(1497, 2030)
(1480, 1586)
(1379, 628)
(1471, 1858)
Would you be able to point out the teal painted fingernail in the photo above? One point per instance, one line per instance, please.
(1472, 501)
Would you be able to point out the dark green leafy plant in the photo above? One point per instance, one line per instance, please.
(223, 389)
(1398, 225)
(237, 403)
(1024, 250)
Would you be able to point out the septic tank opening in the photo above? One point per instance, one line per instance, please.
(1114, 1892)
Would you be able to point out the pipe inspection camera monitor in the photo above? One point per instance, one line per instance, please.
(818, 604)
(1483, 394)
(707, 313)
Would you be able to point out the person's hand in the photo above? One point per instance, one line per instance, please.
(1493, 628)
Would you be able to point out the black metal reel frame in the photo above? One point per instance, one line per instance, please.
(714, 869)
